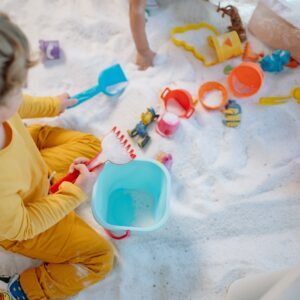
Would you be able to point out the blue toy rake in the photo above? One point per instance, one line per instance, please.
(112, 82)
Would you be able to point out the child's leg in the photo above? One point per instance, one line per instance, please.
(74, 256)
(59, 147)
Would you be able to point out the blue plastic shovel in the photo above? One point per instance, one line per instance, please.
(112, 82)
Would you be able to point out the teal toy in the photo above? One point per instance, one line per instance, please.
(112, 82)
(141, 128)
(276, 61)
(132, 197)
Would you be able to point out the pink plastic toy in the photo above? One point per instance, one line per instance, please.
(165, 158)
(167, 124)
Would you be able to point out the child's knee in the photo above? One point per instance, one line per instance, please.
(110, 257)
(92, 140)
(105, 257)
(94, 144)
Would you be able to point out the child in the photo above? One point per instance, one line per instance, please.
(145, 55)
(137, 8)
(34, 223)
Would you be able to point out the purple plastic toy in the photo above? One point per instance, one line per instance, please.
(50, 49)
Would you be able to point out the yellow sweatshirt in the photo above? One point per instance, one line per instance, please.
(26, 209)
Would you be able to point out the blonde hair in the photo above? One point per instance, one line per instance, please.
(14, 57)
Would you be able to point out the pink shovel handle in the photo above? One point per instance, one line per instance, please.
(116, 237)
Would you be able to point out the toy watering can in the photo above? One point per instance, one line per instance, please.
(227, 45)
(112, 82)
(295, 93)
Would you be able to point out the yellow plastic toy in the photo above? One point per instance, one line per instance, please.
(232, 114)
(186, 46)
(295, 93)
(4, 296)
(226, 46)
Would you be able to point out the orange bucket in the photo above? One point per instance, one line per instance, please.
(210, 87)
(245, 80)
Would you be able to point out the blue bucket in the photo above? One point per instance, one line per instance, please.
(132, 197)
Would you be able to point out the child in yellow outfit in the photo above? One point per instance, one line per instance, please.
(34, 223)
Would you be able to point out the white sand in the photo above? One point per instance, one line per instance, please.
(235, 206)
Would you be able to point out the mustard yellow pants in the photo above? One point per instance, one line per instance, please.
(74, 255)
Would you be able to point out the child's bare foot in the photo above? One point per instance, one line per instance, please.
(145, 60)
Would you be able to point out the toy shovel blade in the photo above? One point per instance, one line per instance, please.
(112, 81)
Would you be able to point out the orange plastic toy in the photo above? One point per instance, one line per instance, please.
(245, 80)
(292, 64)
(209, 87)
(250, 55)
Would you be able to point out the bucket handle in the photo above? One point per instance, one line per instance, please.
(116, 237)
(190, 112)
(164, 93)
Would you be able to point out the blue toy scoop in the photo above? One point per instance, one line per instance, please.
(112, 82)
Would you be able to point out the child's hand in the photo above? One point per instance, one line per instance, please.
(78, 161)
(65, 101)
(145, 60)
(86, 179)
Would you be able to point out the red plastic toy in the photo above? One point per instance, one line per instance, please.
(115, 148)
(182, 99)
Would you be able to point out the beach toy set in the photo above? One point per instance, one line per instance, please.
(225, 46)
(132, 195)
(243, 81)
(178, 104)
